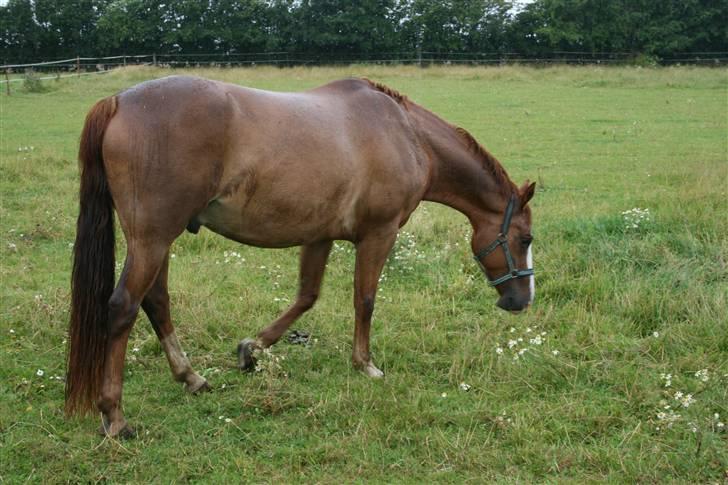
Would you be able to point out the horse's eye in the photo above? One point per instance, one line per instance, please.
(526, 241)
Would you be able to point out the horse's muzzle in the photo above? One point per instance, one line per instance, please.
(513, 304)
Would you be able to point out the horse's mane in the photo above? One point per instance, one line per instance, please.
(392, 93)
(504, 182)
(490, 163)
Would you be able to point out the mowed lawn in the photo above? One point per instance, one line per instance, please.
(619, 372)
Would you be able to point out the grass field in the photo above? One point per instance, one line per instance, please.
(618, 373)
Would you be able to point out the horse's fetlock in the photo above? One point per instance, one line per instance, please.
(108, 403)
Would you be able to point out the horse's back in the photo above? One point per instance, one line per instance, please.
(263, 167)
(322, 163)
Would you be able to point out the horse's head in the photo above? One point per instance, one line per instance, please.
(502, 246)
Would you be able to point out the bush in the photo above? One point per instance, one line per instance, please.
(32, 82)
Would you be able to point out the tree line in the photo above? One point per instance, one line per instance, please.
(47, 29)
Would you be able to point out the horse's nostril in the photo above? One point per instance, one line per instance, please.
(512, 304)
(506, 303)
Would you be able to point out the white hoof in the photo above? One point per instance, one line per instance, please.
(371, 371)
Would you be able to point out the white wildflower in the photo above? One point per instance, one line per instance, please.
(685, 399)
(702, 375)
(464, 387)
(667, 378)
(512, 343)
(636, 216)
(555, 352)
(499, 351)
(39, 372)
(655, 334)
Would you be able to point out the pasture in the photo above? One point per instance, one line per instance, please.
(619, 372)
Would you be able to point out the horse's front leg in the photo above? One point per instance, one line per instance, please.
(312, 266)
(371, 254)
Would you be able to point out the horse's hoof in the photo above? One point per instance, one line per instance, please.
(370, 370)
(246, 361)
(197, 385)
(120, 431)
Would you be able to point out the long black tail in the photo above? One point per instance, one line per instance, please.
(92, 281)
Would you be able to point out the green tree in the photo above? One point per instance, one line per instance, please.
(454, 25)
(131, 27)
(245, 26)
(348, 27)
(20, 33)
(67, 28)
(632, 26)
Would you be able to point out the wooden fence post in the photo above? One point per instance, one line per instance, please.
(7, 81)
(154, 59)
(78, 66)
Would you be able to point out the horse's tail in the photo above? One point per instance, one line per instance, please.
(92, 280)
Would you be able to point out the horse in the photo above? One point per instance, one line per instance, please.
(350, 160)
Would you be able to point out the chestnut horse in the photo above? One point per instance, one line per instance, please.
(349, 160)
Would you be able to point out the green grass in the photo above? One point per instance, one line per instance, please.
(619, 306)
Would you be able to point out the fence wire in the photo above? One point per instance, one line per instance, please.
(95, 65)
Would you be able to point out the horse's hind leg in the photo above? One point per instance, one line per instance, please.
(312, 266)
(142, 265)
(156, 305)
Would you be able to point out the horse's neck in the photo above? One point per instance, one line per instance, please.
(459, 178)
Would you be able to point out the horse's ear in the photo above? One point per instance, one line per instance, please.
(526, 192)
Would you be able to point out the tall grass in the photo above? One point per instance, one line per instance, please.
(575, 390)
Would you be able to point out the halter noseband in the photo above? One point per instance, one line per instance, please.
(502, 240)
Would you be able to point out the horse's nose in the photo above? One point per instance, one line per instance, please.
(511, 304)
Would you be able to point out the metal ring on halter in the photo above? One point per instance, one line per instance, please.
(502, 240)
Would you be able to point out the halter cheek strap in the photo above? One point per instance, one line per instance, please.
(502, 240)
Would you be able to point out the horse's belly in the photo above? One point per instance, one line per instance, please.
(272, 224)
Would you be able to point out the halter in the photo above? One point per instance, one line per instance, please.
(502, 240)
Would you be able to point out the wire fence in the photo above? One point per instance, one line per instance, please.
(82, 66)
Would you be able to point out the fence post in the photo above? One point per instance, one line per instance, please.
(7, 81)
(125, 60)
(78, 66)
(154, 59)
